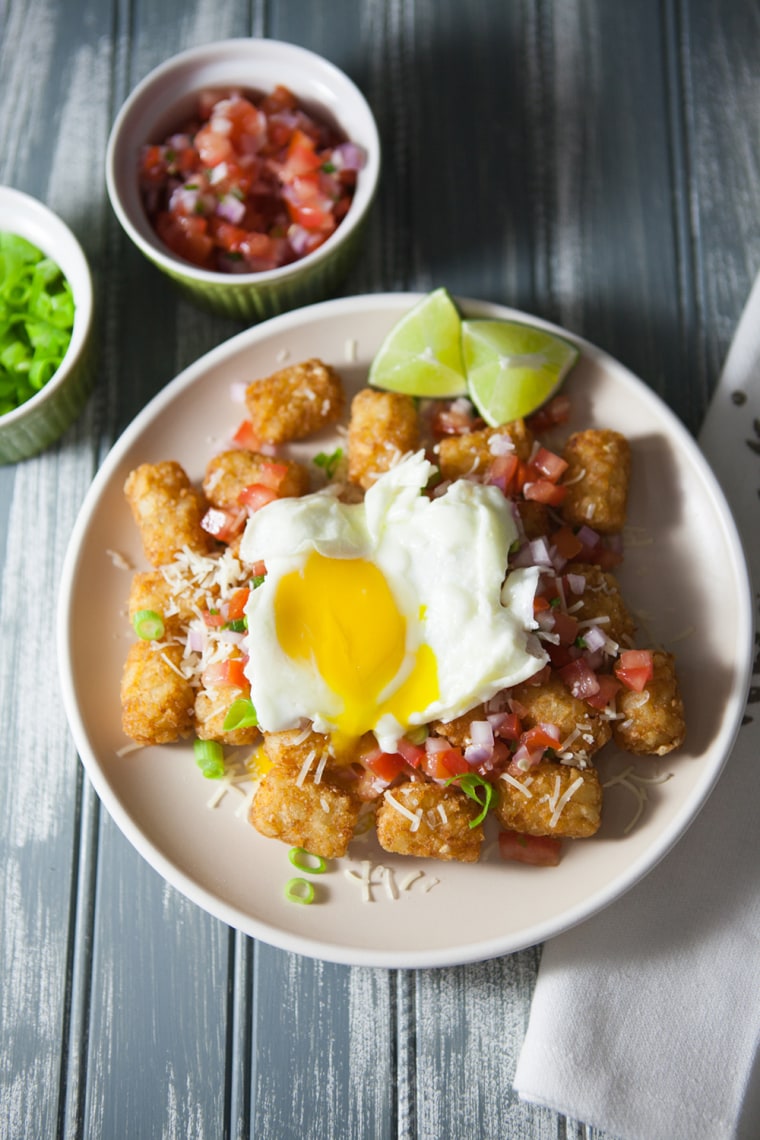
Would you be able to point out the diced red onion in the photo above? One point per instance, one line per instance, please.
(436, 744)
(195, 640)
(348, 156)
(576, 583)
(587, 536)
(496, 720)
(524, 557)
(218, 173)
(237, 391)
(539, 552)
(231, 209)
(300, 239)
(594, 638)
(545, 620)
(183, 201)
(476, 754)
(481, 733)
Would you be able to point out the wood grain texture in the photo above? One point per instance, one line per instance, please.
(595, 163)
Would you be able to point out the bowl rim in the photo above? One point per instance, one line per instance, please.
(176, 68)
(40, 225)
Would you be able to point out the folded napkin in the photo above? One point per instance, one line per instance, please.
(646, 1018)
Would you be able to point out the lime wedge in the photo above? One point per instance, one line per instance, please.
(422, 354)
(513, 368)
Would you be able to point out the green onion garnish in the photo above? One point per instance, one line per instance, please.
(148, 625)
(299, 891)
(471, 783)
(417, 734)
(36, 320)
(239, 625)
(257, 581)
(329, 167)
(240, 714)
(209, 756)
(328, 463)
(305, 861)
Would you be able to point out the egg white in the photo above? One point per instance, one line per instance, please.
(444, 560)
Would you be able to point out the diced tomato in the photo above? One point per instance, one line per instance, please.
(255, 496)
(213, 147)
(609, 687)
(229, 672)
(537, 850)
(258, 569)
(453, 417)
(559, 655)
(224, 525)
(565, 626)
(412, 753)
(551, 466)
(272, 474)
(543, 491)
(501, 471)
(246, 437)
(540, 604)
(580, 679)
(566, 543)
(510, 727)
(187, 236)
(444, 763)
(301, 158)
(213, 619)
(234, 607)
(635, 667)
(557, 411)
(386, 765)
(540, 736)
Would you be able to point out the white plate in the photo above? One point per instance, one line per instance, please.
(684, 571)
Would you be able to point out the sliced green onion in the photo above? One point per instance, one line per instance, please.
(299, 891)
(305, 861)
(417, 734)
(36, 319)
(148, 625)
(471, 784)
(257, 581)
(239, 625)
(328, 463)
(240, 714)
(209, 756)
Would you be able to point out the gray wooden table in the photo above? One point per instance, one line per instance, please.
(595, 162)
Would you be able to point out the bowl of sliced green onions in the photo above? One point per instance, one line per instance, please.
(46, 311)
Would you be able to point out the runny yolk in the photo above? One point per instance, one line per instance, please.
(340, 615)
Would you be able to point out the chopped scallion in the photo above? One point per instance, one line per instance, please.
(471, 784)
(148, 625)
(305, 861)
(299, 891)
(240, 714)
(328, 463)
(209, 756)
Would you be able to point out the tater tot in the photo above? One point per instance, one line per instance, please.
(319, 817)
(653, 721)
(156, 701)
(383, 427)
(211, 708)
(295, 402)
(441, 827)
(471, 453)
(599, 468)
(230, 472)
(551, 799)
(601, 599)
(458, 732)
(168, 511)
(151, 591)
(582, 731)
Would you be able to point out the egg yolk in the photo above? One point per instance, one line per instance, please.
(340, 616)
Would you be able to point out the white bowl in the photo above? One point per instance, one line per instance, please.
(690, 576)
(39, 421)
(168, 96)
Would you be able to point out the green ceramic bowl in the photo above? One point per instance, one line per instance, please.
(37, 423)
(168, 96)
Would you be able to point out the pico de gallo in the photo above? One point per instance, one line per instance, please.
(250, 183)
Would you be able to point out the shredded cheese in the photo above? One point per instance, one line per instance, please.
(517, 784)
(563, 800)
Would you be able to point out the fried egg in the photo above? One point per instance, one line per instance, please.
(386, 614)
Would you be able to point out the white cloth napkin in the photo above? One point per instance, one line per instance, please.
(646, 1019)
